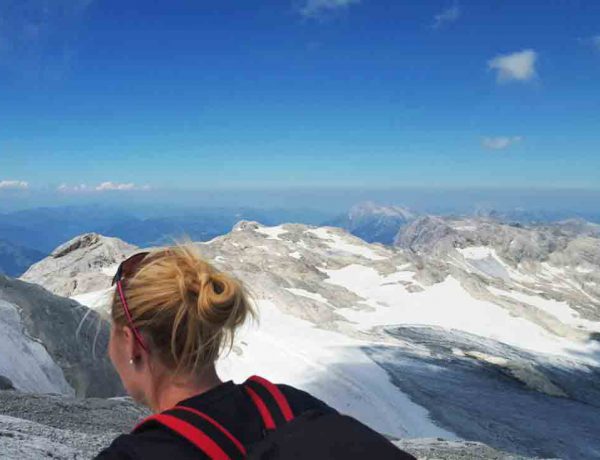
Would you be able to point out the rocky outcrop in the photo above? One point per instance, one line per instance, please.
(53, 344)
(558, 261)
(85, 263)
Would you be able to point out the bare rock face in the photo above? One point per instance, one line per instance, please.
(6, 383)
(85, 263)
(50, 344)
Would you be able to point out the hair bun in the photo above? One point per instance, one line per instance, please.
(188, 308)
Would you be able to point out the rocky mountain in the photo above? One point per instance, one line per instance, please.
(50, 344)
(15, 259)
(84, 264)
(557, 262)
(374, 223)
(469, 330)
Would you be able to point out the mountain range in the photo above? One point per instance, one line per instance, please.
(22, 241)
(15, 259)
(465, 330)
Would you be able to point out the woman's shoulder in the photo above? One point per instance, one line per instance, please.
(301, 401)
(119, 449)
(162, 443)
(149, 445)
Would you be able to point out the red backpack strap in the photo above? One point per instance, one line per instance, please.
(200, 429)
(270, 402)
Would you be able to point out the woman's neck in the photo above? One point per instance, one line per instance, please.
(184, 388)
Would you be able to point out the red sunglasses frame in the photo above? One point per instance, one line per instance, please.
(126, 269)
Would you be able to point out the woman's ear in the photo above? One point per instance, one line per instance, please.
(128, 342)
(132, 347)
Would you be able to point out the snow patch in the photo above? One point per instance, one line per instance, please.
(476, 252)
(338, 243)
(110, 270)
(99, 301)
(307, 294)
(272, 233)
(466, 228)
(448, 305)
(561, 310)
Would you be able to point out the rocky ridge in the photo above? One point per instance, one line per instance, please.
(85, 263)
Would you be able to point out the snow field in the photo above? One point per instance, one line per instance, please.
(329, 365)
(337, 243)
(446, 304)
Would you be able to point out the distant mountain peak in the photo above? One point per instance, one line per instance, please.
(373, 222)
(369, 207)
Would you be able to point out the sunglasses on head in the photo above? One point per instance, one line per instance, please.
(127, 269)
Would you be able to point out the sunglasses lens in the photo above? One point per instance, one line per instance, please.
(128, 267)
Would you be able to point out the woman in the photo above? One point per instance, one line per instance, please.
(172, 314)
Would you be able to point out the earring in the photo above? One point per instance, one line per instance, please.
(131, 361)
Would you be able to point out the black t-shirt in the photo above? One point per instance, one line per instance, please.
(228, 404)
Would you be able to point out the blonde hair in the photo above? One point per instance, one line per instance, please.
(187, 309)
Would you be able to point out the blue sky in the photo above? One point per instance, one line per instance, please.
(98, 95)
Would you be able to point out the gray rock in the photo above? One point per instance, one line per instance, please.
(80, 265)
(44, 426)
(74, 336)
(6, 383)
(442, 449)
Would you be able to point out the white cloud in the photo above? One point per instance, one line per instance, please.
(73, 188)
(447, 16)
(519, 66)
(315, 7)
(103, 187)
(500, 143)
(13, 185)
(114, 186)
